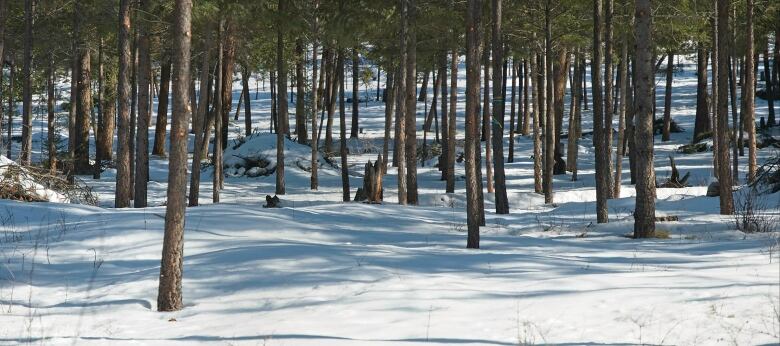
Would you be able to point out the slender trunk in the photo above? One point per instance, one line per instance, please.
(549, 131)
(83, 108)
(750, 93)
(12, 110)
(200, 121)
(537, 65)
(25, 155)
(512, 101)
(300, 91)
(424, 88)
(389, 111)
(715, 96)
(644, 214)
(162, 109)
(401, 110)
(169, 293)
(248, 102)
(734, 122)
(724, 173)
(342, 126)
(411, 104)
(445, 139)
(219, 79)
(452, 122)
(353, 133)
(573, 140)
(281, 68)
(599, 126)
(314, 180)
(769, 87)
(702, 124)
(144, 114)
(473, 37)
(123, 186)
(486, 112)
(502, 202)
(526, 104)
(621, 140)
(228, 64)
(332, 93)
(668, 98)
(52, 148)
(607, 96)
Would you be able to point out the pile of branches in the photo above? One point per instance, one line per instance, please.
(19, 183)
(768, 175)
(675, 181)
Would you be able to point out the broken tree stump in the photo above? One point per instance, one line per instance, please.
(675, 181)
(371, 192)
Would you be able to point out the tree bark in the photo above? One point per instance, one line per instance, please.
(537, 66)
(389, 111)
(771, 121)
(281, 90)
(411, 104)
(219, 80)
(644, 214)
(248, 103)
(512, 102)
(353, 133)
(52, 148)
(342, 126)
(25, 156)
(228, 65)
(621, 140)
(668, 98)
(162, 109)
(473, 43)
(486, 112)
(607, 97)
(750, 92)
(300, 92)
(526, 111)
(724, 176)
(169, 293)
(144, 113)
(549, 132)
(444, 115)
(314, 180)
(123, 186)
(502, 202)
(702, 123)
(451, 123)
(200, 121)
(574, 117)
(83, 108)
(599, 126)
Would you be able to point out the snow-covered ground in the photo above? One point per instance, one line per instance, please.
(323, 272)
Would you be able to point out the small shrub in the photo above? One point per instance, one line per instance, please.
(750, 215)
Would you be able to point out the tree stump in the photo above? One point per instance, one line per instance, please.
(675, 181)
(272, 202)
(372, 191)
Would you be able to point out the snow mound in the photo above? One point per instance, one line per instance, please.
(17, 182)
(256, 156)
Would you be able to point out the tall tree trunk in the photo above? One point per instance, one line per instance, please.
(83, 108)
(424, 88)
(169, 292)
(665, 136)
(219, 80)
(105, 139)
(12, 110)
(389, 111)
(502, 202)
(25, 156)
(560, 76)
(300, 92)
(607, 96)
(644, 214)
(526, 111)
(341, 80)
(274, 109)
(400, 124)
(228, 64)
(621, 140)
(574, 110)
(411, 104)
(599, 126)
(52, 148)
(144, 113)
(353, 133)
(281, 68)
(248, 102)
(315, 87)
(452, 122)
(123, 186)
(473, 44)
(724, 176)
(733, 98)
(445, 139)
(702, 123)
(771, 121)
(512, 102)
(486, 112)
(750, 93)
(549, 131)
(715, 93)
(200, 121)
(537, 67)
(162, 109)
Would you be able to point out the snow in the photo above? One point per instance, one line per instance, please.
(28, 184)
(321, 272)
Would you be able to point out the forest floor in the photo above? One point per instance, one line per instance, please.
(322, 272)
